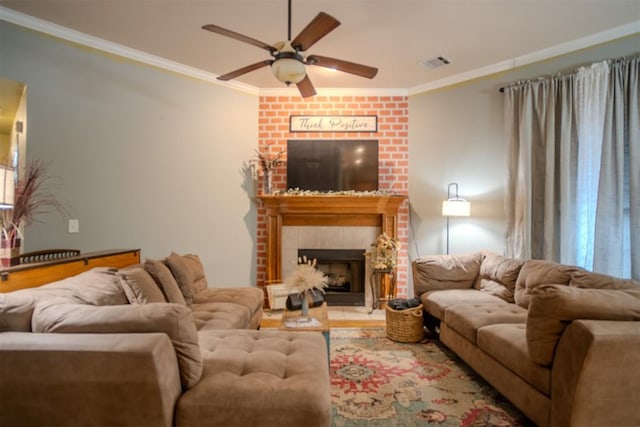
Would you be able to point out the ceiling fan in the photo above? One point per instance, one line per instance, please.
(289, 61)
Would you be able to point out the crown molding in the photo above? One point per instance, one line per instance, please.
(68, 34)
(97, 43)
(292, 91)
(540, 55)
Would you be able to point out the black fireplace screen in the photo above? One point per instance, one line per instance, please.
(345, 271)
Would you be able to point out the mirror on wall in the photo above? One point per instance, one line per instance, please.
(13, 123)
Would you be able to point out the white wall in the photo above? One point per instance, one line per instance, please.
(146, 158)
(456, 135)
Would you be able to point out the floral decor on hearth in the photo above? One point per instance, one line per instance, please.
(306, 277)
(384, 253)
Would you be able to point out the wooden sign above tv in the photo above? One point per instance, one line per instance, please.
(333, 124)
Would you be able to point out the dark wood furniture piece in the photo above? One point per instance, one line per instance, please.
(39, 273)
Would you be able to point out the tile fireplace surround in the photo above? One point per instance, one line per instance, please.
(324, 222)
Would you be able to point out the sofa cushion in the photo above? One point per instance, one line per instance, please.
(466, 319)
(199, 282)
(165, 280)
(251, 298)
(15, 312)
(498, 275)
(445, 272)
(539, 272)
(183, 275)
(507, 343)
(139, 286)
(588, 279)
(220, 315)
(173, 319)
(553, 307)
(437, 302)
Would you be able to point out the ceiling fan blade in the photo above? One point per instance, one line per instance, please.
(319, 27)
(223, 31)
(305, 87)
(244, 70)
(344, 66)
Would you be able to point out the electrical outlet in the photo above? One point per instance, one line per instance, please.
(74, 226)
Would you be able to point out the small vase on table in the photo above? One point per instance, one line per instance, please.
(304, 315)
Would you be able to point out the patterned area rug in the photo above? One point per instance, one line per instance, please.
(379, 382)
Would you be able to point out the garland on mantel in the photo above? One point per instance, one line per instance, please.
(299, 192)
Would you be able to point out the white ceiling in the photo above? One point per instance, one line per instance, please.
(478, 36)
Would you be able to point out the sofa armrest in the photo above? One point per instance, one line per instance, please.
(595, 374)
(87, 379)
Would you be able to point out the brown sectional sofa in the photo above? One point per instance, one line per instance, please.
(152, 345)
(561, 343)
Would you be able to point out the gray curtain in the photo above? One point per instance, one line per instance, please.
(574, 168)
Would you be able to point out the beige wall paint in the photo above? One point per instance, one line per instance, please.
(150, 159)
(145, 158)
(456, 135)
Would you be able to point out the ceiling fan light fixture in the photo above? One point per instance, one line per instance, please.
(288, 70)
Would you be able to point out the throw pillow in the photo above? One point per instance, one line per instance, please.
(139, 286)
(165, 280)
(553, 307)
(445, 272)
(539, 272)
(199, 283)
(173, 319)
(498, 275)
(15, 312)
(181, 272)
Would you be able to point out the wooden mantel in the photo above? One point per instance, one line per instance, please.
(324, 210)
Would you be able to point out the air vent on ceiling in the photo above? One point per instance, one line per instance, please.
(436, 62)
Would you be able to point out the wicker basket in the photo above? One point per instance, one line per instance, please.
(404, 325)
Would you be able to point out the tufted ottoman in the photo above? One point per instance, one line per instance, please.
(265, 378)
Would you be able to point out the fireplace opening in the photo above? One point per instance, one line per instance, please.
(345, 269)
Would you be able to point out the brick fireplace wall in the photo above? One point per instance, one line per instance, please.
(393, 145)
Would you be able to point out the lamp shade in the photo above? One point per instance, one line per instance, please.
(288, 70)
(7, 187)
(456, 207)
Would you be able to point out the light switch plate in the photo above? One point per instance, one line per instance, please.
(74, 226)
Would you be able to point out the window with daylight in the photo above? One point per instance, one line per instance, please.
(574, 183)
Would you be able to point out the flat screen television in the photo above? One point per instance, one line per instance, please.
(332, 165)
